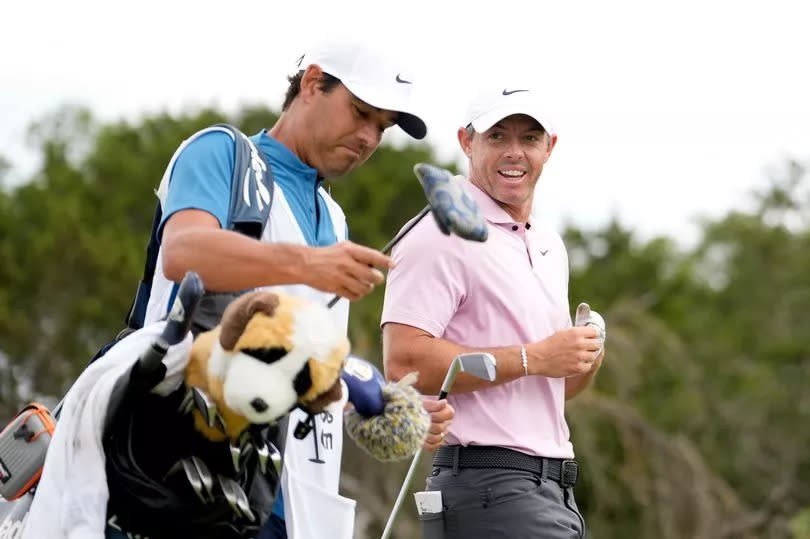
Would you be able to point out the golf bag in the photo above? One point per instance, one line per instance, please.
(21, 457)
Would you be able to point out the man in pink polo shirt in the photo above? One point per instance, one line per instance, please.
(507, 469)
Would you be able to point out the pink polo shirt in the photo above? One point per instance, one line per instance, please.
(509, 290)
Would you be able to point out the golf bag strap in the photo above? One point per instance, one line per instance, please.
(250, 202)
(137, 311)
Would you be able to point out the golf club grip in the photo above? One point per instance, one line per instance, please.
(390, 245)
(149, 369)
(189, 294)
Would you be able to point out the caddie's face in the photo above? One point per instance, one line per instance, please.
(346, 131)
(507, 159)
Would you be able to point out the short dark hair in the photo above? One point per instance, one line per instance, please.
(326, 85)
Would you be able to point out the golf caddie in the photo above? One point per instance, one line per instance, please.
(507, 467)
(261, 219)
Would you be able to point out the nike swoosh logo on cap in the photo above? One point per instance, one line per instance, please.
(402, 81)
(542, 252)
(510, 92)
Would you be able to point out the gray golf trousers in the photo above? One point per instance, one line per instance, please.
(488, 503)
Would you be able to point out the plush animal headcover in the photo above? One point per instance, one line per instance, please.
(270, 353)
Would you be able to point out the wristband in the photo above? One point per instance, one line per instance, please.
(524, 360)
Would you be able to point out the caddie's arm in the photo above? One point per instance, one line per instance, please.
(226, 261)
(194, 236)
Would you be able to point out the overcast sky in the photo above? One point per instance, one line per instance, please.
(665, 110)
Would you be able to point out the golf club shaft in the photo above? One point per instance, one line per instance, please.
(449, 378)
(390, 244)
(408, 227)
(406, 485)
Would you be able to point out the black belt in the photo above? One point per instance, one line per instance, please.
(563, 471)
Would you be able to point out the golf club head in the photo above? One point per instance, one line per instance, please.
(453, 209)
(243, 504)
(229, 489)
(236, 457)
(479, 364)
(205, 476)
(194, 479)
(263, 454)
(189, 294)
(205, 405)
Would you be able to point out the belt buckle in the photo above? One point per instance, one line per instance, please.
(569, 471)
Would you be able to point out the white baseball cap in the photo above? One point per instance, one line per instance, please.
(492, 106)
(375, 79)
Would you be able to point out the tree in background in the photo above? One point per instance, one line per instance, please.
(695, 427)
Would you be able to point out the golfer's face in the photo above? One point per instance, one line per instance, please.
(507, 159)
(348, 131)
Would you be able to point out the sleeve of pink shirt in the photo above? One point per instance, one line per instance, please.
(427, 284)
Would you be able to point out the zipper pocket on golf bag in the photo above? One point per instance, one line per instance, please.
(23, 445)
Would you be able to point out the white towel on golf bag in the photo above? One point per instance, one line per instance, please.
(312, 512)
(307, 485)
(71, 499)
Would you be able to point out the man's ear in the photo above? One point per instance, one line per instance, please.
(552, 141)
(465, 141)
(310, 82)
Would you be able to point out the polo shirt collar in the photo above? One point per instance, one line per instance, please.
(490, 209)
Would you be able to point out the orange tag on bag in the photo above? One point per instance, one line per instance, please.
(23, 446)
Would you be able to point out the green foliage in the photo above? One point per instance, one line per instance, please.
(76, 235)
(695, 427)
(800, 524)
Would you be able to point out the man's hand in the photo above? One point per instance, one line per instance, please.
(441, 414)
(598, 361)
(568, 352)
(346, 269)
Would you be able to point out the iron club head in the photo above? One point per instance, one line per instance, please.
(479, 364)
(229, 489)
(205, 476)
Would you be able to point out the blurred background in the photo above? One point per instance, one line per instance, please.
(680, 184)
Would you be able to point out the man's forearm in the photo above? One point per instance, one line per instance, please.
(407, 349)
(574, 385)
(229, 261)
